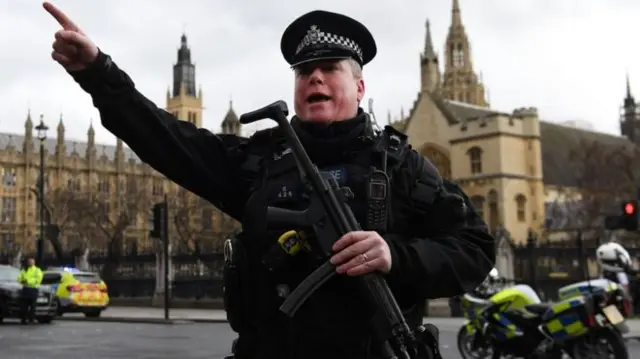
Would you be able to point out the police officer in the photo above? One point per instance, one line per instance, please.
(615, 262)
(615, 265)
(30, 277)
(434, 244)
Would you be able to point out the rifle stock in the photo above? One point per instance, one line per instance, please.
(331, 218)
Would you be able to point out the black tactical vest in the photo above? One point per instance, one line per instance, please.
(278, 183)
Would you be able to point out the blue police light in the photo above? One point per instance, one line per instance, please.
(70, 269)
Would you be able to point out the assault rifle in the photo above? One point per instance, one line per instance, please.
(331, 218)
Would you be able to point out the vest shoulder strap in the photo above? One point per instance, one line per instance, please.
(390, 143)
(394, 147)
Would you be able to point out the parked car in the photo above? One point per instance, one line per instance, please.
(77, 291)
(11, 290)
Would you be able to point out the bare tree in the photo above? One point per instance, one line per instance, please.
(111, 217)
(600, 176)
(197, 224)
(64, 209)
(185, 222)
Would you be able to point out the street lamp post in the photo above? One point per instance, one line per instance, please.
(531, 245)
(42, 136)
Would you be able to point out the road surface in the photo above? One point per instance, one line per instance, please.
(97, 340)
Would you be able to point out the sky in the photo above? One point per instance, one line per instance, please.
(568, 58)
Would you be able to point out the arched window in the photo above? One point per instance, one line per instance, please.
(521, 207)
(458, 56)
(475, 159)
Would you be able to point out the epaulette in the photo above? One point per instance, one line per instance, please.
(266, 136)
(259, 145)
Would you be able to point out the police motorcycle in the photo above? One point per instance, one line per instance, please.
(515, 323)
(614, 262)
(471, 343)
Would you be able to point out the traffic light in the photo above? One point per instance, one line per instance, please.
(630, 219)
(157, 220)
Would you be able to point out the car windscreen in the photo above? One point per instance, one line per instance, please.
(87, 278)
(9, 274)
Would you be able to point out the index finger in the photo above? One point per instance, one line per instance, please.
(60, 17)
(348, 239)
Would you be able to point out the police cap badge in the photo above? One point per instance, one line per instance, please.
(324, 35)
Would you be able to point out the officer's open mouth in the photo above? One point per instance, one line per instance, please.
(318, 97)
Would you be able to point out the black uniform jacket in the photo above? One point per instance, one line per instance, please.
(444, 263)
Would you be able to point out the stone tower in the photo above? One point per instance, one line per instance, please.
(630, 117)
(460, 82)
(183, 101)
(230, 124)
(429, 65)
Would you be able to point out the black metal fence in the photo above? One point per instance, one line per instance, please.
(548, 265)
(545, 265)
(134, 274)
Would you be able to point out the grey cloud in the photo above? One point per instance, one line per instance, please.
(566, 57)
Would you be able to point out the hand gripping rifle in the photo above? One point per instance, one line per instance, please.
(331, 218)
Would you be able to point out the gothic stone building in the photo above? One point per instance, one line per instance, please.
(96, 192)
(513, 165)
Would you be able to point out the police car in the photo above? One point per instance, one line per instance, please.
(77, 291)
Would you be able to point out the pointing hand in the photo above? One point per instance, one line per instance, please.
(72, 48)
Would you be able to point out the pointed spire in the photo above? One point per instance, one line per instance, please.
(629, 100)
(60, 124)
(456, 18)
(429, 51)
(91, 133)
(230, 118)
(183, 40)
(60, 145)
(184, 71)
(90, 152)
(230, 124)
(27, 145)
(28, 124)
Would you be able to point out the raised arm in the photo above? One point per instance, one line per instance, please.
(196, 159)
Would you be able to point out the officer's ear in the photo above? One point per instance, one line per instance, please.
(356, 71)
(360, 91)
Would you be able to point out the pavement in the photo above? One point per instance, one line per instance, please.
(102, 339)
(97, 340)
(180, 316)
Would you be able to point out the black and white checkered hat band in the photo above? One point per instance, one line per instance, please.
(316, 36)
